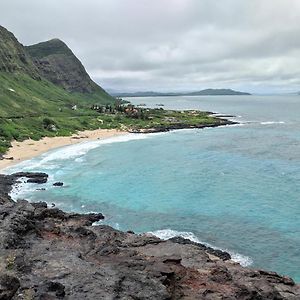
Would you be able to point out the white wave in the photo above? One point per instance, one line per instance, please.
(20, 188)
(240, 124)
(75, 152)
(166, 234)
(272, 122)
(23, 190)
(80, 149)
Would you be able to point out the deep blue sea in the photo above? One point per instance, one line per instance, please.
(235, 187)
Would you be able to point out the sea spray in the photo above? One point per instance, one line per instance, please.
(166, 234)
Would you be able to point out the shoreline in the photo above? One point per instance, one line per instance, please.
(79, 259)
(28, 149)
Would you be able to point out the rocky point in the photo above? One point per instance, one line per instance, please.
(46, 253)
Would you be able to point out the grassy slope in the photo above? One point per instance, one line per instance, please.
(32, 106)
(22, 112)
(27, 98)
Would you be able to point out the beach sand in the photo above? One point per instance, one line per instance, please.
(28, 149)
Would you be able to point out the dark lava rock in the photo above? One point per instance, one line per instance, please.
(176, 126)
(37, 180)
(30, 175)
(216, 252)
(46, 253)
(9, 158)
(58, 184)
(8, 286)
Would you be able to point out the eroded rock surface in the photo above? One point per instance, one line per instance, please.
(49, 254)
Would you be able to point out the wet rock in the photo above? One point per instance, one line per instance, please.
(37, 180)
(216, 252)
(29, 175)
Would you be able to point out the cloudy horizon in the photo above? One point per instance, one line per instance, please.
(170, 45)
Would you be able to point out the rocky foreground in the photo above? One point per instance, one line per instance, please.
(46, 253)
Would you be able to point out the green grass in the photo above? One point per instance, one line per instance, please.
(34, 106)
(26, 102)
(33, 97)
(158, 118)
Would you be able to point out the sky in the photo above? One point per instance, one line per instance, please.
(170, 45)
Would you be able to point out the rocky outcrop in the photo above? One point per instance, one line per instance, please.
(7, 181)
(46, 253)
(165, 128)
(52, 61)
(13, 57)
(58, 64)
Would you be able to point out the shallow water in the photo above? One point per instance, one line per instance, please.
(236, 188)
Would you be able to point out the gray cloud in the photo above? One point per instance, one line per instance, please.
(170, 44)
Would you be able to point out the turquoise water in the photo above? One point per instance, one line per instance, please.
(236, 188)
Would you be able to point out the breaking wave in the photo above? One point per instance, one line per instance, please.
(166, 234)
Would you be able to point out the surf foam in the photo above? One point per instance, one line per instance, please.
(272, 122)
(166, 234)
(76, 152)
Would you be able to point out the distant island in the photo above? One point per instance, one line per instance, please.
(206, 92)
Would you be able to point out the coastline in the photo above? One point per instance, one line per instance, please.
(79, 259)
(28, 149)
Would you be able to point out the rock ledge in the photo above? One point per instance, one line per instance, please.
(49, 254)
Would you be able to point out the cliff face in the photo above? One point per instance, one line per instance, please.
(57, 63)
(13, 57)
(31, 91)
(48, 254)
(52, 61)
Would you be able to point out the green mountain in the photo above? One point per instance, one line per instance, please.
(217, 92)
(40, 82)
(58, 64)
(206, 92)
(13, 57)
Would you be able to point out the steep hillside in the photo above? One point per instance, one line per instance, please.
(13, 57)
(28, 96)
(57, 63)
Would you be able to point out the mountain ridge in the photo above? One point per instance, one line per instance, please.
(29, 98)
(205, 92)
(57, 63)
(13, 56)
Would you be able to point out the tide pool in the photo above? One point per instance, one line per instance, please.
(236, 188)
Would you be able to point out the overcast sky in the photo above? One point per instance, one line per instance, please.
(168, 45)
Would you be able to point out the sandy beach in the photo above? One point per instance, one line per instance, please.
(28, 149)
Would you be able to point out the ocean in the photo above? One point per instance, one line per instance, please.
(235, 188)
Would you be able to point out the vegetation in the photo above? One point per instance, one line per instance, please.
(26, 103)
(45, 91)
(58, 119)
